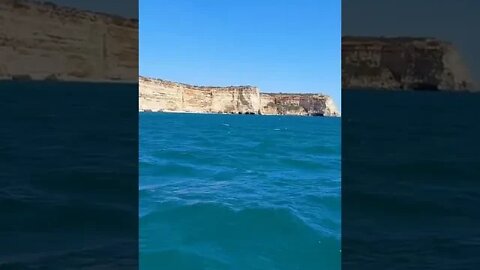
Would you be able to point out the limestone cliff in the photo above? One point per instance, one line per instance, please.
(160, 95)
(402, 63)
(298, 104)
(44, 41)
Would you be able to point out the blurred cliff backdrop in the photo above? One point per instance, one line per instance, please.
(409, 177)
(69, 114)
(46, 41)
(430, 29)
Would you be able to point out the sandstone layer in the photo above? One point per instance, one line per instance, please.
(43, 41)
(402, 63)
(160, 95)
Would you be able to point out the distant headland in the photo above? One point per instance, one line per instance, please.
(164, 96)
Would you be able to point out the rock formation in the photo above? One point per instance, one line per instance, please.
(160, 95)
(402, 63)
(298, 104)
(43, 41)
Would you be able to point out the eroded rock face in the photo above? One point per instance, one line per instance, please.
(298, 104)
(402, 63)
(42, 41)
(160, 95)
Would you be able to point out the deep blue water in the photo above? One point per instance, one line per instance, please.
(239, 192)
(68, 175)
(410, 180)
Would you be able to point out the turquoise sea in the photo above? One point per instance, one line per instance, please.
(239, 192)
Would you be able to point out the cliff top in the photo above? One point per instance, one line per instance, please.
(423, 42)
(296, 94)
(170, 83)
(72, 12)
(391, 39)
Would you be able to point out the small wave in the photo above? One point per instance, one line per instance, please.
(220, 197)
(179, 259)
(290, 242)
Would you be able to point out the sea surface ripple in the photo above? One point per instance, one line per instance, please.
(239, 192)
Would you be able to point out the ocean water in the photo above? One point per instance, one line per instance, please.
(68, 175)
(410, 180)
(239, 192)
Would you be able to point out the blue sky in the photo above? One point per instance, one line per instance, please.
(277, 45)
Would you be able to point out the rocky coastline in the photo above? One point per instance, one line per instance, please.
(156, 95)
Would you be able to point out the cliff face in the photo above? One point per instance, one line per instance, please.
(402, 63)
(160, 95)
(298, 104)
(43, 41)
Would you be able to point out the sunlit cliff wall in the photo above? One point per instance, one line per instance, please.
(161, 95)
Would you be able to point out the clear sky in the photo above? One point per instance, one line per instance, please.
(277, 45)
